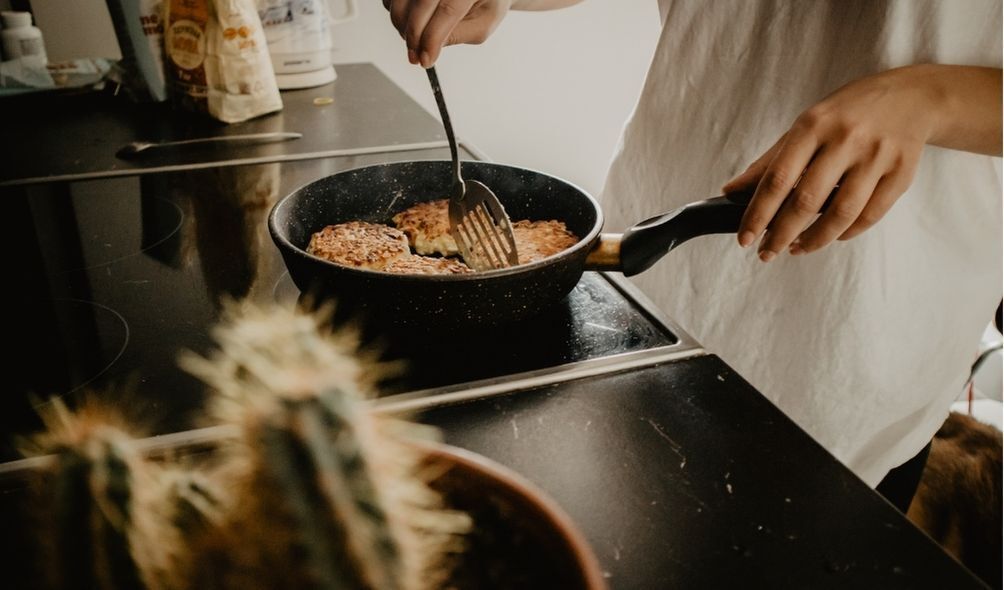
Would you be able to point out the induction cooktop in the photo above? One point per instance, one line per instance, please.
(115, 277)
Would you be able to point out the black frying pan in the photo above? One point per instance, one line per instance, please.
(376, 193)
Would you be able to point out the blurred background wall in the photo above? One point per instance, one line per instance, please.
(549, 90)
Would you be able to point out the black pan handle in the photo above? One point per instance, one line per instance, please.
(643, 244)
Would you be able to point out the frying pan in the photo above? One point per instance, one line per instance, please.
(377, 193)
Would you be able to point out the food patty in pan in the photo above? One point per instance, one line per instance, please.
(427, 227)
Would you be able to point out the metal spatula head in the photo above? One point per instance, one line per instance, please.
(481, 228)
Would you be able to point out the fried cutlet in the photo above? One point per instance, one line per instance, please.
(360, 244)
(536, 240)
(428, 228)
(427, 265)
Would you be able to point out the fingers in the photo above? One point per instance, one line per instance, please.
(868, 190)
(421, 11)
(886, 192)
(868, 137)
(398, 13)
(438, 30)
(856, 189)
(427, 25)
(778, 179)
(805, 201)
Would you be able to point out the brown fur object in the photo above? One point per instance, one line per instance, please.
(958, 501)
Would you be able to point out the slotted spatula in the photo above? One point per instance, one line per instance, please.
(478, 222)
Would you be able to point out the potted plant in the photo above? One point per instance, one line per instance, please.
(314, 490)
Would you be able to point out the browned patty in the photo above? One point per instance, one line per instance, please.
(427, 265)
(360, 244)
(536, 240)
(428, 228)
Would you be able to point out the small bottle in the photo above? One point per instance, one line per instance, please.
(20, 38)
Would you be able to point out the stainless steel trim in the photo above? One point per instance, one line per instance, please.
(404, 147)
(416, 400)
(151, 445)
(411, 401)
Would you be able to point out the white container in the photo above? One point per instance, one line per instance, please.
(20, 38)
(298, 33)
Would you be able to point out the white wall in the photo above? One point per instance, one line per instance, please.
(549, 90)
(75, 29)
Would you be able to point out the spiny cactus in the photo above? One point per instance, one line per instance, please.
(317, 492)
(327, 493)
(192, 500)
(104, 505)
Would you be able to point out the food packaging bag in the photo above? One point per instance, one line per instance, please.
(185, 25)
(140, 33)
(218, 58)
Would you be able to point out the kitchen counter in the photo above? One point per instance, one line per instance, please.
(678, 472)
(75, 137)
(681, 475)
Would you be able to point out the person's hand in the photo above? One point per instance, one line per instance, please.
(866, 137)
(428, 25)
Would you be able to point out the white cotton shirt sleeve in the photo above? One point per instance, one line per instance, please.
(866, 343)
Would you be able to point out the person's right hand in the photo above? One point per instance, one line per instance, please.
(428, 25)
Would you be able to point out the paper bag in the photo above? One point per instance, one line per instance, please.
(218, 59)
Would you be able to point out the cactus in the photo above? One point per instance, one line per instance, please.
(318, 491)
(192, 500)
(103, 505)
(327, 488)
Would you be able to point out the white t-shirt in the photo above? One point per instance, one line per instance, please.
(866, 343)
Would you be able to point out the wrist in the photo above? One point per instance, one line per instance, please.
(933, 99)
(960, 106)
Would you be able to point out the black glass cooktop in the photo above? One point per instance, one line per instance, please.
(114, 277)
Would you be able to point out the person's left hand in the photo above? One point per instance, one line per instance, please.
(867, 137)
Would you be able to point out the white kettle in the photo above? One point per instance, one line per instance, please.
(299, 39)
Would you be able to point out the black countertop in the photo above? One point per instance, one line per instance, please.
(74, 137)
(681, 475)
(678, 472)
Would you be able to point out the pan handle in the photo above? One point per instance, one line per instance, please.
(646, 242)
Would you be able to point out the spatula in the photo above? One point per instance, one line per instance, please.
(478, 222)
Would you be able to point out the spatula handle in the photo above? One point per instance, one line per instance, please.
(437, 91)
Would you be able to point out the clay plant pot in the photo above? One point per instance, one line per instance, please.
(521, 538)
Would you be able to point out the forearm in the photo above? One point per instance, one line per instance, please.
(967, 103)
(542, 4)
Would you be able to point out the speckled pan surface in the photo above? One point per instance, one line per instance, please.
(377, 193)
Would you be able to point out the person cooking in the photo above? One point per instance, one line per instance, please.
(863, 323)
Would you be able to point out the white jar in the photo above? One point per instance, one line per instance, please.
(20, 39)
